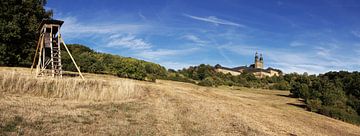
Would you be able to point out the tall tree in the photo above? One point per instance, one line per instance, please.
(19, 22)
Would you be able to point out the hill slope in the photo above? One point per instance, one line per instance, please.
(144, 108)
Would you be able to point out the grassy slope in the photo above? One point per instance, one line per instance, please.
(143, 108)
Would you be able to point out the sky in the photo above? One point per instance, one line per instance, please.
(294, 36)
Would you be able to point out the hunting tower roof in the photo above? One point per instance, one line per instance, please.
(50, 21)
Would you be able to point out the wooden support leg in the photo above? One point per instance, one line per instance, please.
(36, 52)
(78, 69)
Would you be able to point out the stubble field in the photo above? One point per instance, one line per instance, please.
(107, 105)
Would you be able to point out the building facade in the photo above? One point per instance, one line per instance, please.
(257, 69)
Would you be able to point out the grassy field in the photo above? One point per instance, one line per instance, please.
(107, 105)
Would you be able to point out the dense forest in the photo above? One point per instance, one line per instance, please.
(19, 22)
(335, 94)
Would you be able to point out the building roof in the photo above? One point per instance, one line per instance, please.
(218, 66)
(50, 21)
(247, 69)
(270, 68)
(241, 67)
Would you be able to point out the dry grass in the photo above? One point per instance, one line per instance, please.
(69, 88)
(106, 105)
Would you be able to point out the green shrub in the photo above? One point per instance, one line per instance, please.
(314, 105)
(150, 78)
(207, 82)
(341, 114)
(283, 85)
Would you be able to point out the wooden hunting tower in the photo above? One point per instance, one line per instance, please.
(49, 49)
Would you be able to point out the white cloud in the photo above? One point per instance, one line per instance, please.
(73, 28)
(128, 41)
(240, 49)
(195, 39)
(296, 44)
(356, 33)
(215, 20)
(322, 51)
(176, 65)
(159, 53)
(141, 16)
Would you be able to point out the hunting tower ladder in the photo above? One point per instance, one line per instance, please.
(48, 50)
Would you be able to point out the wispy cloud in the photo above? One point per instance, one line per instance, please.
(214, 20)
(296, 44)
(176, 65)
(195, 39)
(141, 16)
(128, 41)
(245, 50)
(321, 51)
(356, 33)
(77, 29)
(160, 53)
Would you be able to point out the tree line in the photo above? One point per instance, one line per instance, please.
(206, 75)
(102, 63)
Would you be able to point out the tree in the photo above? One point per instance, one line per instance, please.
(19, 22)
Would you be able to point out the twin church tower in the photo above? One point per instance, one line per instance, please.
(259, 62)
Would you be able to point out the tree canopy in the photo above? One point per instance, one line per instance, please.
(335, 94)
(19, 22)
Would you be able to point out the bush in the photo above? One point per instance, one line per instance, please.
(283, 85)
(313, 105)
(150, 78)
(341, 114)
(178, 77)
(207, 82)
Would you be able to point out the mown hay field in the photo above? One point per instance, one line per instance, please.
(107, 105)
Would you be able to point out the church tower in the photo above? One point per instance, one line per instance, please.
(259, 63)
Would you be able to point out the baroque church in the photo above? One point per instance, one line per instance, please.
(257, 69)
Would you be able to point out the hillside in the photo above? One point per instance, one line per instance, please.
(107, 105)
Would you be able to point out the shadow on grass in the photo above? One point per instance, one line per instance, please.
(283, 95)
(297, 105)
(70, 75)
(290, 96)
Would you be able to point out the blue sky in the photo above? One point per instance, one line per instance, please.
(294, 36)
